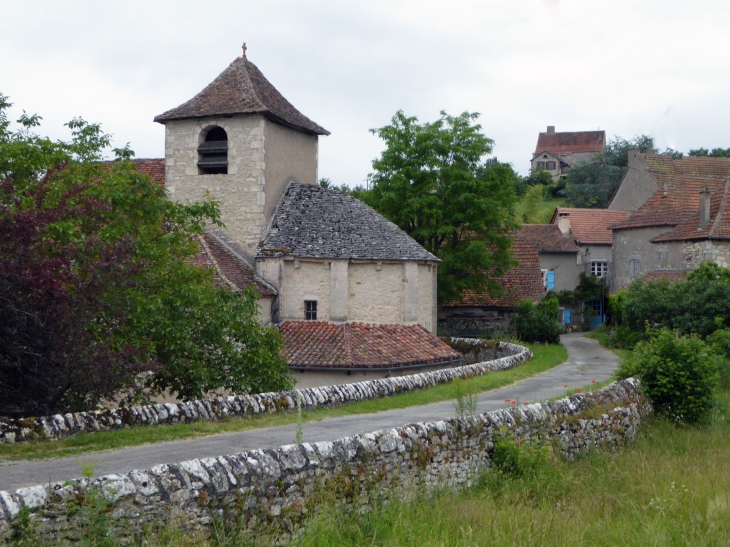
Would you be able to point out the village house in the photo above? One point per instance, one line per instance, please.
(352, 294)
(479, 313)
(678, 217)
(556, 153)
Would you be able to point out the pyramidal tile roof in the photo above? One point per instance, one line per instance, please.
(242, 89)
(591, 226)
(315, 222)
(680, 182)
(571, 142)
(318, 344)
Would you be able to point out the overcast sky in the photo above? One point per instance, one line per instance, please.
(659, 67)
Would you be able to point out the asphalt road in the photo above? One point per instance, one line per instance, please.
(587, 361)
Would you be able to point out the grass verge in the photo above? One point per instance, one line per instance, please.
(671, 487)
(546, 357)
(602, 337)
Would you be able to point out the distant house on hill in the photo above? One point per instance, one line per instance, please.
(477, 314)
(556, 153)
(679, 216)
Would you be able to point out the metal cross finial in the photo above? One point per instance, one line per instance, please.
(244, 50)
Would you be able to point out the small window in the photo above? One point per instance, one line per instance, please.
(634, 268)
(310, 310)
(213, 153)
(599, 268)
(548, 279)
(550, 165)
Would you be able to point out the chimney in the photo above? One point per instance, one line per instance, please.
(564, 223)
(551, 130)
(704, 207)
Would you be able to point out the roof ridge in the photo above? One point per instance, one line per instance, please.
(252, 87)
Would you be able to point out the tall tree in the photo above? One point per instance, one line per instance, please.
(96, 286)
(435, 182)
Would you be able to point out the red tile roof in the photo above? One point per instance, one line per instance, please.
(230, 271)
(680, 182)
(523, 281)
(672, 277)
(717, 228)
(548, 238)
(318, 344)
(571, 142)
(242, 89)
(154, 168)
(591, 226)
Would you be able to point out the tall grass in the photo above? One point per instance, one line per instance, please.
(672, 487)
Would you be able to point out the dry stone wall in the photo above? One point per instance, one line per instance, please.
(282, 486)
(65, 425)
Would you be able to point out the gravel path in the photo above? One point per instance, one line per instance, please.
(587, 361)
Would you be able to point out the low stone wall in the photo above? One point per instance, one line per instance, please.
(61, 426)
(282, 486)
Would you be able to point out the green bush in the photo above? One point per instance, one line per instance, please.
(623, 338)
(679, 375)
(538, 323)
(520, 459)
(719, 341)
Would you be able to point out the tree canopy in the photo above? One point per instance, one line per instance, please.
(98, 298)
(435, 182)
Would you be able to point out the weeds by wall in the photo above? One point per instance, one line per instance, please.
(261, 488)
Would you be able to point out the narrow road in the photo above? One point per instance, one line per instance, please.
(587, 361)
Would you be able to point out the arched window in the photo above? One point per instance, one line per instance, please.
(213, 153)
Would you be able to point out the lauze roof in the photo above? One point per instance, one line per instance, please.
(316, 222)
(571, 142)
(322, 345)
(242, 89)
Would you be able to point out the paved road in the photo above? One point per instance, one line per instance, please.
(587, 361)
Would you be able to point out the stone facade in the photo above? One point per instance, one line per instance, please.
(378, 292)
(637, 186)
(263, 157)
(282, 486)
(634, 255)
(63, 426)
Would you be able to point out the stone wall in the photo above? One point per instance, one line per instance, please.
(284, 485)
(62, 426)
(378, 292)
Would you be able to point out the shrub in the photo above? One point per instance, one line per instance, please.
(534, 323)
(623, 338)
(679, 375)
(520, 459)
(719, 341)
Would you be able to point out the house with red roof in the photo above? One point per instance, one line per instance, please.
(480, 313)
(353, 295)
(678, 216)
(557, 152)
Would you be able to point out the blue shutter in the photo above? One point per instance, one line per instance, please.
(551, 279)
(566, 317)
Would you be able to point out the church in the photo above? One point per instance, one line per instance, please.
(351, 293)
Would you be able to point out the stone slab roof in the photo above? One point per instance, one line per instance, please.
(680, 182)
(520, 283)
(591, 226)
(242, 89)
(571, 142)
(316, 222)
(229, 270)
(548, 238)
(322, 345)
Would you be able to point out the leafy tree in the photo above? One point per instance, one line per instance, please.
(530, 206)
(591, 184)
(714, 153)
(537, 177)
(432, 180)
(96, 286)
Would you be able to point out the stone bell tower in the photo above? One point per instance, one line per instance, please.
(242, 142)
